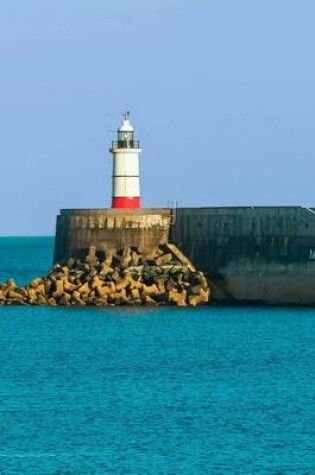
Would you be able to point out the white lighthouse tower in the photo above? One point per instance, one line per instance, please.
(126, 151)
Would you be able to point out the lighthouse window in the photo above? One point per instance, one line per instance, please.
(125, 135)
(125, 139)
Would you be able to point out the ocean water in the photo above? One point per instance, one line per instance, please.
(152, 391)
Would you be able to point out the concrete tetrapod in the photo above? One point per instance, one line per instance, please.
(121, 277)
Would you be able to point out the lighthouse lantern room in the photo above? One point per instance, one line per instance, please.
(126, 151)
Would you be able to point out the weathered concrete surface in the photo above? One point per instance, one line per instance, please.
(252, 254)
(248, 253)
(79, 229)
(270, 283)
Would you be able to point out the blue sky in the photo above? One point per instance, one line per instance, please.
(221, 94)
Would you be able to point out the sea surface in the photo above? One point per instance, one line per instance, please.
(213, 390)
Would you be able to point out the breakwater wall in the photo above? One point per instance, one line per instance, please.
(79, 229)
(262, 254)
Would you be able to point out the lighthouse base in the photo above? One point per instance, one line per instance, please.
(126, 202)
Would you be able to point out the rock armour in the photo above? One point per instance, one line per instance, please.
(125, 277)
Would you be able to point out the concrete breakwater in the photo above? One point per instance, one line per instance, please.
(163, 276)
(249, 254)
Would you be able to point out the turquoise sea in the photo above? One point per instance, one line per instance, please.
(152, 391)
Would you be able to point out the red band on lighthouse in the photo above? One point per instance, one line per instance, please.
(125, 202)
(126, 151)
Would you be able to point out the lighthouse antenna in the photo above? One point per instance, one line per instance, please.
(126, 115)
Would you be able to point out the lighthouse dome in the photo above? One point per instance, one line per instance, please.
(125, 126)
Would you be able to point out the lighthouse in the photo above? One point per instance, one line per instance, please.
(126, 151)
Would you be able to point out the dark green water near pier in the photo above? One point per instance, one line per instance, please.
(152, 391)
